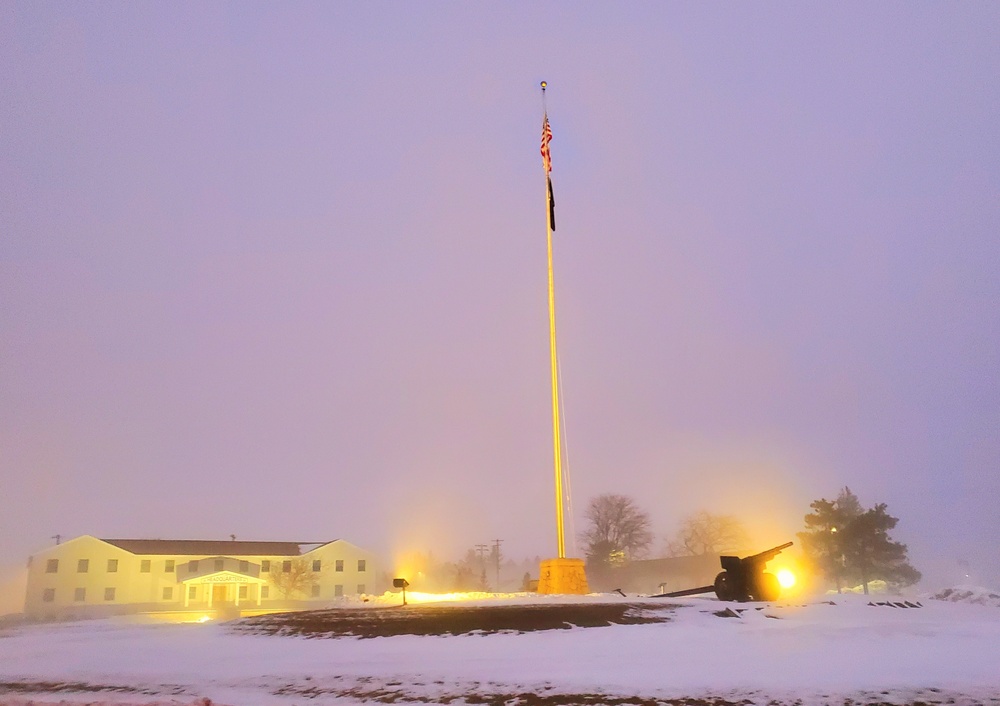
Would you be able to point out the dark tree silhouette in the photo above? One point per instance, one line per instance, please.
(849, 544)
(617, 530)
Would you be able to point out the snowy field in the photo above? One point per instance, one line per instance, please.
(945, 652)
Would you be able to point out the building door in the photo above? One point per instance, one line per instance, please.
(218, 593)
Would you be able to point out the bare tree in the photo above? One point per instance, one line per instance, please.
(618, 530)
(293, 576)
(705, 533)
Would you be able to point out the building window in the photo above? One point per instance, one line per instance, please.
(52, 566)
(109, 594)
(265, 566)
(265, 591)
(338, 565)
(361, 588)
(192, 592)
(192, 566)
(80, 594)
(220, 564)
(338, 590)
(112, 566)
(317, 564)
(315, 591)
(145, 565)
(49, 595)
(168, 593)
(82, 566)
(245, 567)
(243, 592)
(168, 567)
(361, 564)
(286, 567)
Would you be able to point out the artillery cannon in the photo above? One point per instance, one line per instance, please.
(741, 579)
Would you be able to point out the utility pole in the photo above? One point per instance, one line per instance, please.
(481, 548)
(58, 538)
(496, 549)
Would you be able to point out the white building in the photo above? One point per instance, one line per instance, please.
(87, 576)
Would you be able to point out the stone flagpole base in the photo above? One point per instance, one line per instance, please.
(562, 576)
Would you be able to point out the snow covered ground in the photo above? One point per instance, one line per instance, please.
(947, 651)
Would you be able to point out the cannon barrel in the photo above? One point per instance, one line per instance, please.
(749, 563)
(766, 556)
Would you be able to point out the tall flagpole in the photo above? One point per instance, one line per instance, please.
(561, 574)
(550, 225)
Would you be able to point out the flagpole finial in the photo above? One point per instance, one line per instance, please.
(544, 85)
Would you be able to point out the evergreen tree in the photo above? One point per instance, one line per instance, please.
(822, 542)
(851, 545)
(871, 552)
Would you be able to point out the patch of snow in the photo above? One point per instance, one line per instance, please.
(820, 652)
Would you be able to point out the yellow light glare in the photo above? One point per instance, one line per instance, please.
(421, 597)
(786, 578)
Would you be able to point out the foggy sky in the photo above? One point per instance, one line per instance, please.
(279, 270)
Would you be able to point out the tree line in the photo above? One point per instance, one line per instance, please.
(844, 543)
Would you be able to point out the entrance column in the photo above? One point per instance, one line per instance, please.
(211, 593)
(187, 594)
(236, 587)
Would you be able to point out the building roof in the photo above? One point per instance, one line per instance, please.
(211, 547)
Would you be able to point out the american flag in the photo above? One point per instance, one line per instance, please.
(546, 139)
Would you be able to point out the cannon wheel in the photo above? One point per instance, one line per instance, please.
(767, 588)
(724, 589)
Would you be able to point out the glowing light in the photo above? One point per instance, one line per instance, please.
(204, 619)
(786, 578)
(454, 597)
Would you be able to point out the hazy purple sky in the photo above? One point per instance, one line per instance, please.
(278, 270)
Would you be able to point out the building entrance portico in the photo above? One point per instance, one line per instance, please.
(223, 587)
